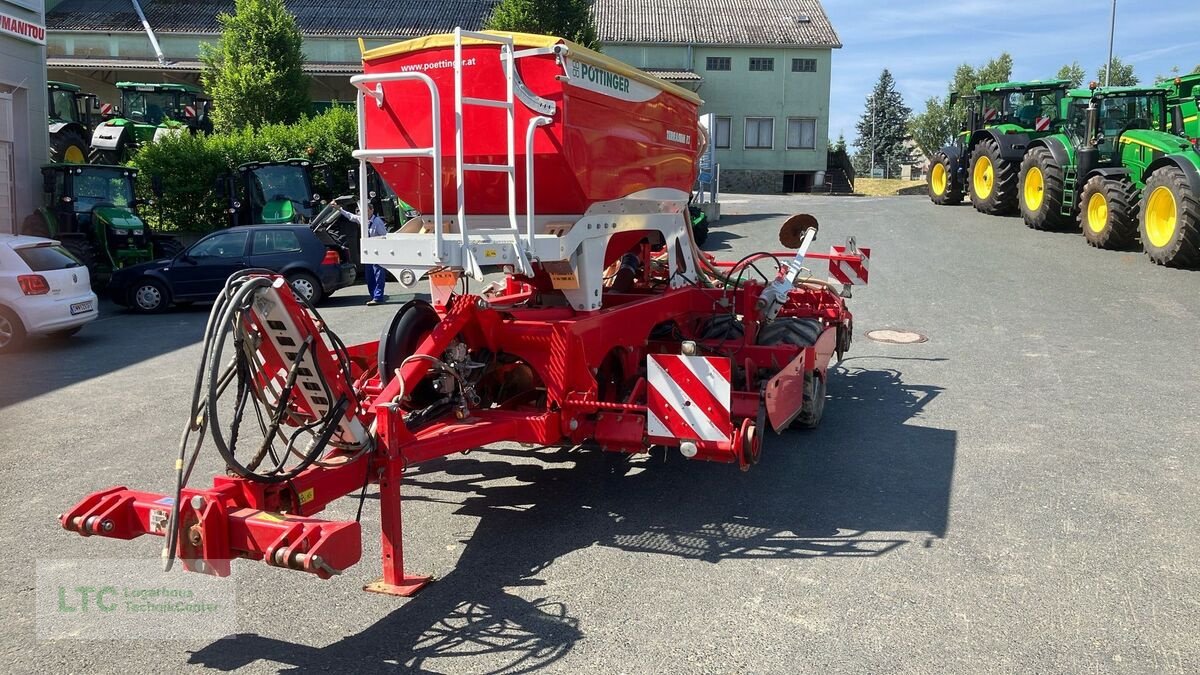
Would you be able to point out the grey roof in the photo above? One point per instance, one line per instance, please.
(800, 23)
(674, 74)
(796, 23)
(348, 18)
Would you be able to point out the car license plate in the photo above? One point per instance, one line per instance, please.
(81, 307)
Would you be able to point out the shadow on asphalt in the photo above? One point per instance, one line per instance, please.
(849, 490)
(119, 338)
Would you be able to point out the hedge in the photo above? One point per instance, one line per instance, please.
(189, 166)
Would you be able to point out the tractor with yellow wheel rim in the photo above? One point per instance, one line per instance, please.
(71, 115)
(1002, 118)
(1118, 171)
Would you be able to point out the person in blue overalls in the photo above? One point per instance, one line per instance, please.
(376, 275)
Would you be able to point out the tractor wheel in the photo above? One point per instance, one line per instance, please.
(993, 180)
(1042, 188)
(83, 251)
(12, 331)
(1108, 212)
(306, 286)
(165, 247)
(69, 147)
(800, 333)
(944, 189)
(1170, 219)
(35, 225)
(149, 296)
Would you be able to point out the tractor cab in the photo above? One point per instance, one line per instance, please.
(1118, 111)
(92, 209)
(1032, 106)
(149, 112)
(71, 114)
(274, 192)
(1183, 97)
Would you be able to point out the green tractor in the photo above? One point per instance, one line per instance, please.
(273, 192)
(1002, 118)
(150, 111)
(1183, 92)
(92, 210)
(70, 113)
(1117, 170)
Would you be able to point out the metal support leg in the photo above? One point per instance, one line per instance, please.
(394, 580)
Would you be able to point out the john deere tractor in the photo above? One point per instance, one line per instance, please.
(150, 111)
(1002, 118)
(71, 114)
(1118, 171)
(92, 210)
(1183, 92)
(273, 192)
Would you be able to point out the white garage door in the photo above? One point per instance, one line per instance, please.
(8, 207)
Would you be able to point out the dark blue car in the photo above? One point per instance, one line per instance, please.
(313, 267)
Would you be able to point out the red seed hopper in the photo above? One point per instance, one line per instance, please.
(610, 130)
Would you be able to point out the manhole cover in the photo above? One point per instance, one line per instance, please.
(896, 337)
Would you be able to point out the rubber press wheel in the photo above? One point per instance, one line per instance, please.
(800, 333)
(944, 190)
(1170, 219)
(400, 338)
(1108, 212)
(1042, 188)
(993, 180)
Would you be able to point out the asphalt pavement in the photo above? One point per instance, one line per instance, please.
(1020, 493)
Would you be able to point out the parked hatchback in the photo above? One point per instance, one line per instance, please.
(44, 290)
(198, 273)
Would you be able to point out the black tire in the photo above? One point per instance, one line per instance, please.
(12, 331)
(945, 189)
(65, 333)
(1108, 212)
(994, 192)
(35, 225)
(307, 287)
(164, 246)
(66, 143)
(400, 338)
(800, 333)
(149, 296)
(700, 232)
(723, 327)
(83, 251)
(1042, 187)
(1176, 243)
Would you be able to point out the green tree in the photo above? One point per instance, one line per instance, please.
(570, 19)
(1122, 74)
(883, 129)
(1196, 69)
(255, 72)
(839, 145)
(936, 126)
(1073, 72)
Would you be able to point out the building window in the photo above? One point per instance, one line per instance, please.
(761, 64)
(804, 65)
(718, 63)
(802, 133)
(760, 132)
(721, 133)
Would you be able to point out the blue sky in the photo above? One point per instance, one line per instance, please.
(923, 42)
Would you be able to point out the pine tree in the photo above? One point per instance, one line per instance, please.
(883, 127)
(255, 73)
(570, 19)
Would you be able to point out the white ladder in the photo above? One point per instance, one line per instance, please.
(470, 264)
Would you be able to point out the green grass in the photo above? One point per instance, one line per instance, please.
(888, 187)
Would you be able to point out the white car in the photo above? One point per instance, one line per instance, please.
(43, 290)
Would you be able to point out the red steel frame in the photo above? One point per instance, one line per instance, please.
(567, 350)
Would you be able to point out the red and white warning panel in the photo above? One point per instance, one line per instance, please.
(189, 111)
(849, 265)
(1042, 124)
(106, 109)
(688, 397)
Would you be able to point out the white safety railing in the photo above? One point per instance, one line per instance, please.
(434, 151)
